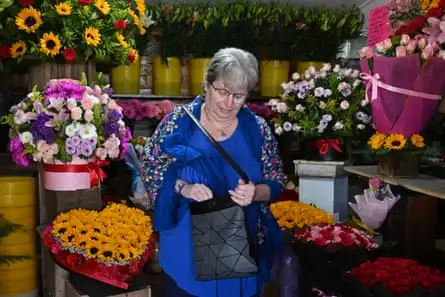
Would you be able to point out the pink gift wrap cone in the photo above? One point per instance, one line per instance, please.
(399, 113)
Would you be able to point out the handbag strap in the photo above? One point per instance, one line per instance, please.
(218, 147)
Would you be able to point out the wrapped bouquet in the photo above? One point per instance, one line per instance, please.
(111, 245)
(72, 129)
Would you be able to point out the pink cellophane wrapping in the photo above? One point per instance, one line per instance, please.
(398, 113)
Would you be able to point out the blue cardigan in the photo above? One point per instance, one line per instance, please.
(165, 154)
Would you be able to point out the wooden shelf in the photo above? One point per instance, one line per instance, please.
(176, 98)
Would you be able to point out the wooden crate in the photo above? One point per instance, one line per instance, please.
(40, 74)
(84, 287)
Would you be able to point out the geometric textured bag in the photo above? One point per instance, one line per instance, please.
(220, 239)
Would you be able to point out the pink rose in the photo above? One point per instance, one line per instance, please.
(366, 52)
(103, 99)
(412, 45)
(421, 41)
(76, 113)
(88, 115)
(47, 157)
(405, 39)
(387, 44)
(113, 105)
(428, 52)
(400, 51)
(101, 153)
(114, 153)
(86, 103)
(380, 47)
(71, 103)
(42, 146)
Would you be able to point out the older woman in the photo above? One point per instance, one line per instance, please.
(173, 182)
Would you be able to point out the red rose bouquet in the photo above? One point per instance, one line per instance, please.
(111, 246)
(327, 252)
(395, 276)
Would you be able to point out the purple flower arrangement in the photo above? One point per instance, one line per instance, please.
(67, 121)
(324, 103)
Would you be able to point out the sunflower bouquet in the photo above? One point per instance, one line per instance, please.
(397, 155)
(111, 245)
(74, 30)
(292, 214)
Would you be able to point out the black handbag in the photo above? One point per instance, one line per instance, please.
(220, 239)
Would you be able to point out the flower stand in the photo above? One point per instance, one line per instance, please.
(324, 184)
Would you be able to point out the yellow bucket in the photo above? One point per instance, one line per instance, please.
(302, 66)
(125, 79)
(272, 74)
(18, 204)
(166, 77)
(197, 69)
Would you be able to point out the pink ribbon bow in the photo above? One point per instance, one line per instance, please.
(373, 82)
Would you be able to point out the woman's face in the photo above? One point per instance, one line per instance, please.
(223, 102)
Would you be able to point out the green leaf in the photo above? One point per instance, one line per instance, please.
(7, 227)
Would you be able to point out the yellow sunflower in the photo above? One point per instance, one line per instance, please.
(50, 44)
(417, 140)
(395, 142)
(63, 8)
(102, 6)
(428, 4)
(18, 49)
(29, 20)
(121, 40)
(377, 141)
(92, 36)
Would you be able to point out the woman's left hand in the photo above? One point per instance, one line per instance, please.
(243, 194)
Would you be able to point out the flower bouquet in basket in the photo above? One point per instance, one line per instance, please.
(327, 251)
(394, 277)
(72, 129)
(405, 73)
(323, 107)
(111, 246)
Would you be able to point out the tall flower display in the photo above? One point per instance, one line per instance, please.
(323, 106)
(68, 123)
(75, 30)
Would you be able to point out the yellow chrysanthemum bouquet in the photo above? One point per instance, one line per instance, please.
(74, 30)
(111, 245)
(295, 215)
(397, 154)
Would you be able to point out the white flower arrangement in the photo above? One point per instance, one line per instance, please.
(326, 103)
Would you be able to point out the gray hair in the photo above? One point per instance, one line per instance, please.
(237, 68)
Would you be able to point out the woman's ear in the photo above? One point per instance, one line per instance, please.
(205, 86)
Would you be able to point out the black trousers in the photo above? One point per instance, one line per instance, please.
(171, 288)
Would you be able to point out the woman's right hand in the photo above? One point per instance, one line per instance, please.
(197, 192)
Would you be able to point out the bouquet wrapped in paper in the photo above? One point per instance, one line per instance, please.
(405, 73)
(111, 246)
(373, 206)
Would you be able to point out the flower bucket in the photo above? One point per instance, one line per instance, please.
(272, 74)
(196, 69)
(303, 66)
(125, 79)
(399, 164)
(404, 94)
(77, 175)
(166, 77)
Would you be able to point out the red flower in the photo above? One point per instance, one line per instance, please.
(131, 57)
(434, 12)
(5, 52)
(398, 275)
(84, 2)
(69, 54)
(120, 24)
(24, 3)
(442, 4)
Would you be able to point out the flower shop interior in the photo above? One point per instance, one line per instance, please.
(85, 83)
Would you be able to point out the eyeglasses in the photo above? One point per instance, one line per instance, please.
(226, 93)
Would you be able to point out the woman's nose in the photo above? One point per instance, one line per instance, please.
(229, 101)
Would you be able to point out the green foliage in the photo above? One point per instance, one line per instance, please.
(6, 229)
